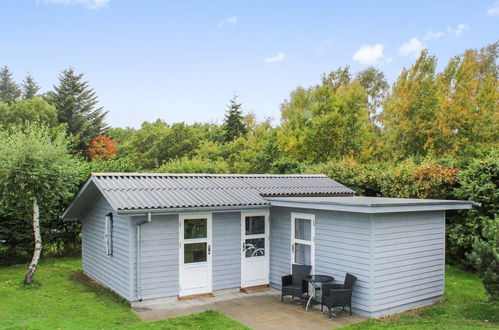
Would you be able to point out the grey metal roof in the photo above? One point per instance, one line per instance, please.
(137, 191)
(369, 201)
(370, 204)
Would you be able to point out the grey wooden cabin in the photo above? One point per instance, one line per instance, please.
(149, 236)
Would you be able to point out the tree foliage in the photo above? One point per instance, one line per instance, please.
(33, 110)
(29, 87)
(328, 121)
(468, 113)
(410, 110)
(35, 164)
(452, 113)
(233, 125)
(158, 142)
(102, 147)
(485, 256)
(77, 106)
(375, 85)
(9, 89)
(477, 182)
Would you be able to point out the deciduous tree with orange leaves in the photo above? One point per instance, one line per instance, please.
(102, 147)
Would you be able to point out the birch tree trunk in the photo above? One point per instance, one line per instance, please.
(38, 244)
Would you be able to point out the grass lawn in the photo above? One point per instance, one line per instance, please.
(464, 307)
(58, 300)
(61, 298)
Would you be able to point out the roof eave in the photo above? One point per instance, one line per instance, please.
(138, 212)
(70, 206)
(374, 209)
(76, 199)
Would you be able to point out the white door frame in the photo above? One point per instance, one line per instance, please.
(264, 213)
(311, 243)
(209, 257)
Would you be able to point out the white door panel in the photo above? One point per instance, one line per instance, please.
(255, 249)
(195, 259)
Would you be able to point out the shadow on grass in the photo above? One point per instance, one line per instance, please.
(100, 291)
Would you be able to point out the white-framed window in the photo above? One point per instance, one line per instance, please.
(108, 234)
(303, 239)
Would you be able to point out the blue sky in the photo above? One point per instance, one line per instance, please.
(182, 61)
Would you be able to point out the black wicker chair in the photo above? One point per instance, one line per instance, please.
(338, 295)
(294, 285)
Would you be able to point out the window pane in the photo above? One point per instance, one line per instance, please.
(195, 228)
(303, 254)
(303, 229)
(194, 252)
(255, 225)
(254, 247)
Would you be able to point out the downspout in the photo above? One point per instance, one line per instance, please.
(137, 264)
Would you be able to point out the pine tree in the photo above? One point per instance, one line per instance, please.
(233, 122)
(29, 87)
(76, 105)
(9, 90)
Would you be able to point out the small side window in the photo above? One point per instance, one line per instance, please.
(109, 234)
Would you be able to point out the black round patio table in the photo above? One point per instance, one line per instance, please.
(314, 280)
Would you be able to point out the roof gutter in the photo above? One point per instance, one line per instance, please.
(137, 264)
(143, 212)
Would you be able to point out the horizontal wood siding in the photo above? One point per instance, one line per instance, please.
(159, 263)
(111, 270)
(226, 250)
(408, 258)
(280, 244)
(343, 244)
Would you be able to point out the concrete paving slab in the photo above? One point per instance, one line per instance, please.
(260, 310)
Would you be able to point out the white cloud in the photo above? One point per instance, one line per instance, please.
(278, 58)
(369, 54)
(229, 21)
(458, 30)
(413, 47)
(433, 35)
(90, 4)
(494, 10)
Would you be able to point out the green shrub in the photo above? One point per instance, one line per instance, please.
(411, 180)
(363, 179)
(194, 165)
(285, 165)
(485, 256)
(478, 182)
(119, 164)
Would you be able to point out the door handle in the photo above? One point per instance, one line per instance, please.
(209, 249)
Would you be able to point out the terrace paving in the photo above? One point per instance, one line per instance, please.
(262, 310)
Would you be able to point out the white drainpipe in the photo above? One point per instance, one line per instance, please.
(137, 265)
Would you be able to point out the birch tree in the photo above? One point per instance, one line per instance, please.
(37, 175)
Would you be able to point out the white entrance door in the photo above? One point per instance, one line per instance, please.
(303, 239)
(255, 249)
(195, 254)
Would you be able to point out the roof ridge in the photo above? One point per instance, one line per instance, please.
(215, 188)
(231, 175)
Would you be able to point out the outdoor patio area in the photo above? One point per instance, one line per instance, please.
(261, 310)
